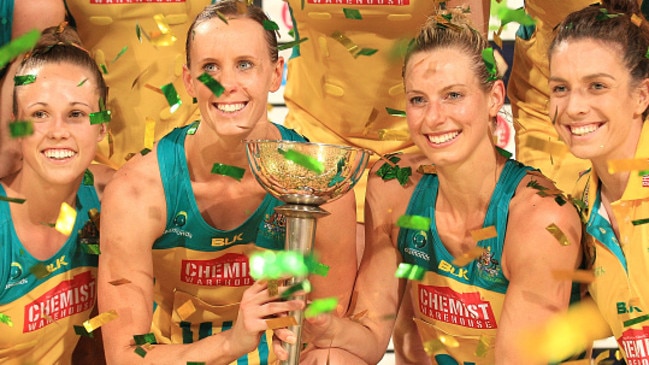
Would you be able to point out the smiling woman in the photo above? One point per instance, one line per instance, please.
(58, 88)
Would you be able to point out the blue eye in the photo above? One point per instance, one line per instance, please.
(245, 65)
(210, 67)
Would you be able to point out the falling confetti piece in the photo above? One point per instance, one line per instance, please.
(19, 45)
(627, 165)
(173, 99)
(99, 320)
(100, 117)
(6, 320)
(484, 233)
(214, 86)
(577, 276)
(490, 62)
(638, 222)
(291, 44)
(280, 322)
(21, 128)
(140, 351)
(393, 135)
(303, 160)
(304, 286)
(149, 132)
(39, 271)
(346, 42)
(415, 222)
(484, 344)
(65, 222)
(270, 25)
(227, 170)
(274, 265)
(186, 310)
(469, 256)
(558, 234)
(540, 144)
(354, 14)
(319, 306)
(120, 54)
(144, 339)
(503, 152)
(81, 331)
(410, 272)
(427, 169)
(90, 248)
(273, 287)
(24, 80)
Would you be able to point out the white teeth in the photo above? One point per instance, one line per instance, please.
(583, 129)
(230, 108)
(443, 138)
(58, 154)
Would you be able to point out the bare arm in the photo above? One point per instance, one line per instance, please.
(133, 216)
(27, 15)
(532, 259)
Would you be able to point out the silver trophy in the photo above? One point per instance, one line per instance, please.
(304, 175)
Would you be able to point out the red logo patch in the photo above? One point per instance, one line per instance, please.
(645, 181)
(446, 305)
(360, 2)
(68, 298)
(121, 2)
(228, 270)
(635, 344)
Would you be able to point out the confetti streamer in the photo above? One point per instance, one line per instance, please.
(21, 128)
(628, 165)
(416, 222)
(484, 233)
(393, 135)
(354, 14)
(81, 331)
(319, 306)
(24, 80)
(149, 132)
(99, 320)
(558, 234)
(6, 320)
(280, 322)
(577, 276)
(65, 222)
(214, 86)
(304, 286)
(144, 339)
(138, 32)
(270, 25)
(173, 99)
(100, 117)
(291, 44)
(19, 45)
(507, 15)
(119, 282)
(490, 62)
(638, 222)
(227, 170)
(410, 272)
(303, 160)
(120, 54)
(365, 52)
(346, 42)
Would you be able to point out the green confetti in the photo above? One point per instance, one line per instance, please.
(81, 331)
(11, 200)
(222, 17)
(288, 45)
(104, 69)
(319, 306)
(503, 152)
(138, 32)
(140, 351)
(646, 55)
(227, 170)
(19, 45)
(303, 160)
(636, 320)
(415, 222)
(490, 63)
(604, 14)
(304, 286)
(6, 320)
(90, 248)
(120, 53)
(82, 82)
(352, 14)
(145, 151)
(24, 80)
(39, 270)
(173, 99)
(195, 363)
(316, 267)
(100, 117)
(365, 52)
(395, 112)
(270, 25)
(388, 172)
(638, 222)
(274, 265)
(144, 339)
(88, 178)
(410, 272)
(338, 178)
(216, 88)
(21, 128)
(507, 15)
(193, 128)
(643, 173)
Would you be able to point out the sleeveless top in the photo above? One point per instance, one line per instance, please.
(461, 302)
(196, 265)
(44, 299)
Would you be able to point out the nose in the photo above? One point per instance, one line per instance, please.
(58, 128)
(228, 80)
(577, 105)
(433, 114)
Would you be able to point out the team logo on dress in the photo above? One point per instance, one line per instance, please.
(487, 264)
(274, 226)
(15, 274)
(180, 219)
(635, 343)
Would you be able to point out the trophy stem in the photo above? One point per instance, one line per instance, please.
(300, 234)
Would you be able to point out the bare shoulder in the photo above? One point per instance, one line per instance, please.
(137, 181)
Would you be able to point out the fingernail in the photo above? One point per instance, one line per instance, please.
(290, 339)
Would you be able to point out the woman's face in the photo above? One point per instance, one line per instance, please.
(59, 103)
(449, 113)
(236, 55)
(596, 107)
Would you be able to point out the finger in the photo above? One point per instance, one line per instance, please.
(278, 348)
(285, 335)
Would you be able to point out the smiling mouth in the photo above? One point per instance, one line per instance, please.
(443, 138)
(59, 153)
(230, 108)
(583, 130)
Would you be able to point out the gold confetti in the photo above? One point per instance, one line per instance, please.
(484, 344)
(393, 135)
(272, 288)
(577, 276)
(630, 164)
(427, 169)
(65, 221)
(484, 233)
(149, 133)
(558, 234)
(99, 320)
(186, 310)
(540, 144)
(433, 346)
(636, 20)
(448, 341)
(469, 256)
(280, 322)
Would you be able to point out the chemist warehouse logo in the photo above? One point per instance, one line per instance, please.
(228, 270)
(466, 310)
(635, 344)
(356, 2)
(66, 299)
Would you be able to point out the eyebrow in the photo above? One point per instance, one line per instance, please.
(586, 78)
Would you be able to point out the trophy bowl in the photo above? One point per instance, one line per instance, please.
(305, 173)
